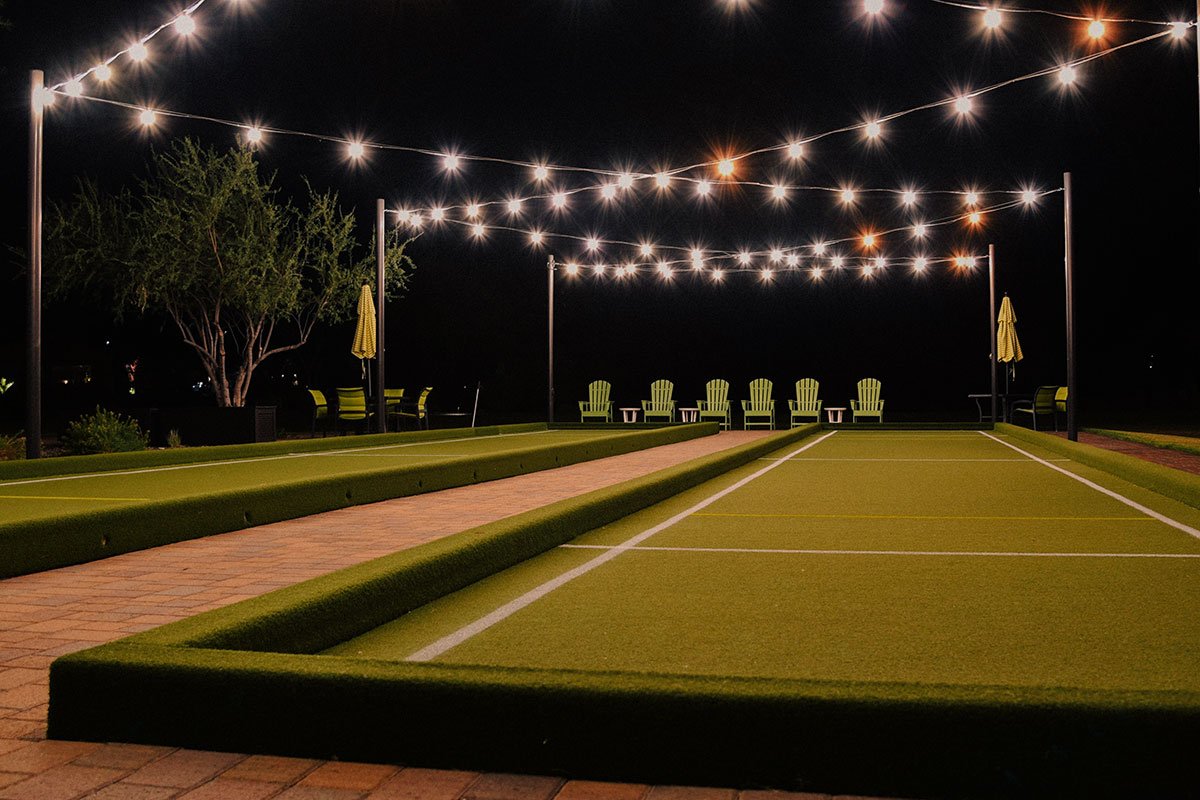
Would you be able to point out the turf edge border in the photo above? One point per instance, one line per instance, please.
(48, 543)
(196, 684)
(1173, 483)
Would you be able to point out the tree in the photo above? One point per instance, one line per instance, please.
(207, 240)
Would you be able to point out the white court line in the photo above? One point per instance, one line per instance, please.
(175, 467)
(922, 460)
(879, 552)
(1190, 531)
(505, 611)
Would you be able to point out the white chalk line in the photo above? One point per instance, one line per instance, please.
(924, 460)
(948, 553)
(505, 611)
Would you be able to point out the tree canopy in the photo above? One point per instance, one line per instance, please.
(207, 240)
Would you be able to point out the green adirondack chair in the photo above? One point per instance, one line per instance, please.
(661, 405)
(1042, 405)
(868, 404)
(807, 405)
(716, 406)
(597, 406)
(759, 410)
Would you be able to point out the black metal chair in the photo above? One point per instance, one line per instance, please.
(1042, 405)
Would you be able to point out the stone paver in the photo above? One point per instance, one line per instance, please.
(61, 611)
(1175, 459)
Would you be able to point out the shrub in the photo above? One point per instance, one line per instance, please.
(12, 446)
(104, 432)
(173, 439)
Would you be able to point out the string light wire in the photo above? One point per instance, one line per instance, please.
(1059, 14)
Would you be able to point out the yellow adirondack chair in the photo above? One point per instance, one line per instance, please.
(869, 403)
(597, 406)
(716, 406)
(661, 405)
(807, 405)
(759, 410)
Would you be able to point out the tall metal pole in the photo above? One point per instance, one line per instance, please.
(550, 339)
(992, 322)
(381, 329)
(1069, 263)
(33, 363)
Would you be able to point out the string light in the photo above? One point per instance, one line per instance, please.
(920, 230)
(909, 198)
(873, 6)
(451, 162)
(514, 205)
(1096, 29)
(795, 150)
(472, 210)
(1067, 75)
(779, 192)
(559, 200)
(873, 129)
(993, 19)
(185, 25)
(148, 117)
(571, 268)
(608, 191)
(662, 180)
(1029, 197)
(646, 249)
(838, 262)
(592, 244)
(793, 260)
(963, 105)
(254, 135)
(477, 230)
(848, 196)
(703, 188)
(768, 275)
(744, 258)
(920, 263)
(868, 240)
(102, 72)
(536, 238)
(138, 51)
(971, 198)
(73, 87)
(725, 167)
(1179, 30)
(625, 180)
(540, 172)
(975, 218)
(776, 256)
(355, 150)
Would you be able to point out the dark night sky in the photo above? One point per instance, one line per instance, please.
(607, 83)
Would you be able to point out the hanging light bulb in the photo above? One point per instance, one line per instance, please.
(355, 150)
(1067, 75)
(920, 230)
(451, 162)
(920, 263)
(795, 150)
(646, 249)
(254, 135)
(540, 172)
(536, 238)
(993, 18)
(624, 180)
(514, 205)
(1096, 29)
(873, 129)
(73, 87)
(102, 72)
(873, 7)
(779, 192)
(848, 196)
(963, 105)
(148, 117)
(185, 25)
(572, 268)
(559, 200)
(472, 210)
(703, 188)
(608, 191)
(725, 167)
(477, 230)
(437, 214)
(592, 244)
(662, 180)
(868, 240)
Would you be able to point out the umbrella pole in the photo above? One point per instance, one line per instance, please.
(1069, 262)
(380, 264)
(992, 322)
(33, 368)
(550, 266)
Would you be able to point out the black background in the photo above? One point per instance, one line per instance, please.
(612, 83)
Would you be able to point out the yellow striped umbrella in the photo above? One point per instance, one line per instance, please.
(1008, 346)
(363, 346)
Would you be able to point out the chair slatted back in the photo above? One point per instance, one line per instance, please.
(352, 402)
(598, 392)
(807, 395)
(1060, 399)
(1043, 399)
(869, 390)
(760, 394)
(422, 399)
(661, 392)
(717, 395)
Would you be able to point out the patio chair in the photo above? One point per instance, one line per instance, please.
(418, 412)
(393, 399)
(597, 406)
(661, 405)
(716, 406)
(320, 411)
(1042, 405)
(807, 405)
(759, 410)
(869, 404)
(1060, 406)
(351, 407)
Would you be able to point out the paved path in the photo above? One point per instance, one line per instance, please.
(60, 611)
(1175, 459)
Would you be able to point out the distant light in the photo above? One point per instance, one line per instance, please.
(1029, 197)
(993, 18)
(971, 198)
(665, 270)
(437, 214)
(514, 205)
(472, 210)
(874, 130)
(138, 51)
(971, 262)
(776, 256)
(625, 180)
(415, 220)
(873, 6)
(572, 268)
(608, 191)
(880, 262)
(975, 218)
(703, 188)
(662, 180)
(598, 269)
(920, 263)
(819, 248)
(963, 105)
(1096, 29)
(817, 273)
(779, 192)
(767, 275)
(356, 150)
(848, 196)
(624, 270)
(697, 259)
(559, 200)
(185, 25)
(451, 162)
(477, 230)
(73, 87)
(1067, 75)
(1179, 29)
(254, 135)
(725, 167)
(404, 216)
(868, 240)
(102, 72)
(838, 262)
(744, 258)
(909, 197)
(540, 172)
(646, 249)
(148, 117)
(793, 259)
(592, 244)
(536, 238)
(920, 230)
(718, 275)
(795, 150)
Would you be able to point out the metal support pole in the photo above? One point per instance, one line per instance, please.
(992, 322)
(550, 340)
(381, 329)
(33, 363)
(1069, 263)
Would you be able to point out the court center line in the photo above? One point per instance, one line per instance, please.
(925, 517)
(101, 499)
(198, 465)
(780, 551)
(1190, 531)
(445, 643)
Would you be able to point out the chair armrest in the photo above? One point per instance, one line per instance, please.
(646, 405)
(854, 405)
(583, 405)
(1021, 405)
(745, 405)
(881, 402)
(702, 405)
(771, 404)
(671, 405)
(793, 405)
(819, 404)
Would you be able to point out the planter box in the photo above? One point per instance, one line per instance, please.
(212, 426)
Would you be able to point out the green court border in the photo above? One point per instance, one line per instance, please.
(209, 682)
(80, 536)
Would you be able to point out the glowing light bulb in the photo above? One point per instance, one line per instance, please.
(42, 97)
(920, 263)
(356, 150)
(1096, 29)
(665, 270)
(819, 248)
(880, 262)
(873, 6)
(718, 275)
(536, 238)
(450, 162)
(963, 105)
(848, 196)
(514, 205)
(971, 198)
(415, 220)
(608, 191)
(993, 19)
(909, 197)
(873, 130)
(1179, 29)
(868, 240)
(793, 259)
(598, 269)
(1067, 75)
(697, 259)
(540, 173)
(975, 218)
(559, 200)
(254, 135)
(646, 250)
(662, 180)
(767, 275)
(779, 192)
(477, 230)
(776, 256)
(571, 268)
(404, 216)
(623, 271)
(725, 167)
(437, 214)
(138, 51)
(592, 244)
(185, 25)
(817, 273)
(838, 262)
(743, 258)
(73, 87)
(795, 150)
(148, 117)
(472, 210)
(102, 72)
(971, 262)
(703, 188)
(1028, 197)
(920, 230)
(624, 180)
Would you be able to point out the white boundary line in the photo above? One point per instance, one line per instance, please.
(437, 648)
(1190, 531)
(923, 460)
(879, 552)
(175, 467)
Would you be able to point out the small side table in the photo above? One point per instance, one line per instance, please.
(629, 414)
(833, 414)
(689, 415)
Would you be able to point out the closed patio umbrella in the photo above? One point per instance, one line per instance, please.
(1008, 346)
(363, 346)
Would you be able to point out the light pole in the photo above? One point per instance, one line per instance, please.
(550, 269)
(33, 362)
(1069, 277)
(380, 268)
(992, 321)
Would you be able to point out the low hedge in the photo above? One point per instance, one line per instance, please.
(205, 683)
(75, 538)
(1172, 483)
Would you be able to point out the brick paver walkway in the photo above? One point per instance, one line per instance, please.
(48, 614)
(1158, 455)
